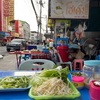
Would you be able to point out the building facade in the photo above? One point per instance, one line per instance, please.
(20, 29)
(6, 14)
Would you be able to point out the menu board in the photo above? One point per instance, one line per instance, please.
(72, 9)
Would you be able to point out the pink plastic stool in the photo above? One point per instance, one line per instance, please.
(81, 63)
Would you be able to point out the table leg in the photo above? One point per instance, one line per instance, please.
(18, 60)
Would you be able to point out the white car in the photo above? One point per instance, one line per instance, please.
(16, 44)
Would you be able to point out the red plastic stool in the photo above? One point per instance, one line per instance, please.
(81, 63)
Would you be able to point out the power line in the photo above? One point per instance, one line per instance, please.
(27, 6)
(34, 10)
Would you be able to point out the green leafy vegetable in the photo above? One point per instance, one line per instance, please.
(36, 80)
(14, 82)
(56, 73)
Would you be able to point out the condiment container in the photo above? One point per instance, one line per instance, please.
(94, 91)
(78, 81)
(96, 74)
(92, 68)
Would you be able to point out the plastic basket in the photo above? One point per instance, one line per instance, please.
(65, 41)
(74, 96)
(92, 63)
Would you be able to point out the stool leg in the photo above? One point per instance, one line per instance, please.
(81, 65)
(74, 66)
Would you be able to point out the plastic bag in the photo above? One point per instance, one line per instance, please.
(79, 32)
(80, 55)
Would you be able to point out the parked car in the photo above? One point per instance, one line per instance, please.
(16, 44)
(3, 41)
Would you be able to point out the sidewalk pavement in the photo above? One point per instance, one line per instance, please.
(8, 63)
(1, 57)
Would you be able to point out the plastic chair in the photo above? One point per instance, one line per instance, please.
(36, 64)
(81, 63)
(65, 63)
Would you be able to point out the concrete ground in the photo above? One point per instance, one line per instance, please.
(8, 62)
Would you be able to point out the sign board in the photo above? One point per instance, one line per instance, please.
(70, 9)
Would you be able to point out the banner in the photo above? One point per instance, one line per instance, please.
(71, 9)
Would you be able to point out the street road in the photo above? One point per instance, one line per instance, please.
(9, 60)
(3, 50)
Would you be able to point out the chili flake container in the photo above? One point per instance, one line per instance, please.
(78, 81)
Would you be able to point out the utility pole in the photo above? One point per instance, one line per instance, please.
(41, 5)
(34, 10)
(39, 21)
(46, 25)
(36, 18)
(40, 17)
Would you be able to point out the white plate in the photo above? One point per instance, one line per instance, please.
(26, 73)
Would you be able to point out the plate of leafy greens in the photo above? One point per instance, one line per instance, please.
(10, 83)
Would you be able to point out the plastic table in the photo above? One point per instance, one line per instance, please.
(33, 54)
(31, 47)
(23, 95)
